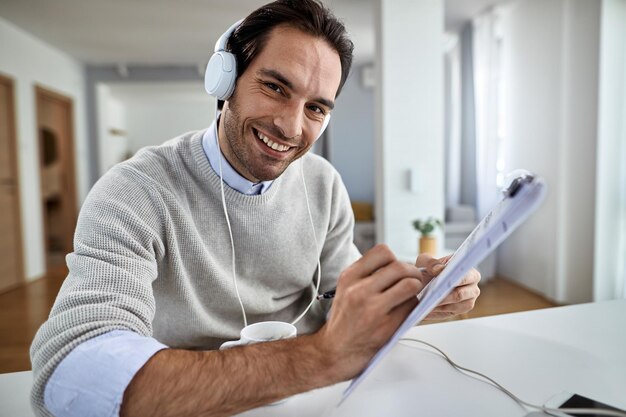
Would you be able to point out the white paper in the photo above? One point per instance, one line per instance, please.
(507, 215)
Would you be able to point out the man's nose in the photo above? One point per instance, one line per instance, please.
(289, 120)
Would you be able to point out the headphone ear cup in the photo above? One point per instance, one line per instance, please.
(220, 75)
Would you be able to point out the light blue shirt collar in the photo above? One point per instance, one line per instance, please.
(230, 176)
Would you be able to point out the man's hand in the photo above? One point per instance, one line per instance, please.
(374, 295)
(461, 299)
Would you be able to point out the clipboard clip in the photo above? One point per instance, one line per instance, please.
(516, 180)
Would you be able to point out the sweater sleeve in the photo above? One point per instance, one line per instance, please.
(91, 380)
(109, 285)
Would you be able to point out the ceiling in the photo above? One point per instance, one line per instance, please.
(157, 32)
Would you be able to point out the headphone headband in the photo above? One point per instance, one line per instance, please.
(220, 45)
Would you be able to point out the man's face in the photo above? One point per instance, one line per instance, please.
(279, 104)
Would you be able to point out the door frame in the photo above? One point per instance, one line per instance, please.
(68, 189)
(10, 84)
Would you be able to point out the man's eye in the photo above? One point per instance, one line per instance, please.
(274, 87)
(318, 109)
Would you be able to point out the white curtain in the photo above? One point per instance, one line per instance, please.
(615, 286)
(474, 119)
(621, 257)
(621, 253)
(486, 57)
(486, 44)
(452, 65)
(610, 210)
(621, 272)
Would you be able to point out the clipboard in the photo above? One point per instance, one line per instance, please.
(521, 198)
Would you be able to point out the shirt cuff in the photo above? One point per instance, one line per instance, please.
(91, 380)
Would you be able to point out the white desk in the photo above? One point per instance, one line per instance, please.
(535, 354)
(15, 394)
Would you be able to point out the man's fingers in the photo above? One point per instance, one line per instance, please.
(402, 291)
(388, 275)
(433, 266)
(401, 312)
(455, 308)
(392, 285)
(424, 259)
(374, 259)
(439, 315)
(427, 260)
(460, 294)
(444, 260)
(472, 277)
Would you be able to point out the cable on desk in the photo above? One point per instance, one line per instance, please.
(518, 400)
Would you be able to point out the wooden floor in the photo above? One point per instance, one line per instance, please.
(24, 309)
(501, 296)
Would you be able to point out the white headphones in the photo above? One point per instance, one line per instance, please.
(221, 71)
(220, 76)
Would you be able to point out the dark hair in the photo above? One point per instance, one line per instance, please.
(309, 16)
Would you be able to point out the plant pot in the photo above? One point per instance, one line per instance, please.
(428, 245)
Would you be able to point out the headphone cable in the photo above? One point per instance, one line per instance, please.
(232, 241)
(319, 266)
(518, 400)
(230, 231)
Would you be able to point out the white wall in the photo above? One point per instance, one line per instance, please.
(551, 70)
(30, 62)
(156, 112)
(111, 118)
(610, 238)
(409, 119)
(145, 128)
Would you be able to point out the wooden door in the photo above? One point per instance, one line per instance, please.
(11, 269)
(56, 149)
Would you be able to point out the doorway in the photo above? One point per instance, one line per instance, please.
(11, 268)
(58, 180)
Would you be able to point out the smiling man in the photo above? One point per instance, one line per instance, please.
(280, 103)
(167, 259)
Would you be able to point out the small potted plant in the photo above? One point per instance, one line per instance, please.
(427, 242)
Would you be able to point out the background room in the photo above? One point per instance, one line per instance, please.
(445, 98)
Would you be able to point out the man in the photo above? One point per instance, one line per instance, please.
(152, 293)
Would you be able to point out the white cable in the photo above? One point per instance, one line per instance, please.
(232, 241)
(521, 402)
(230, 231)
(319, 266)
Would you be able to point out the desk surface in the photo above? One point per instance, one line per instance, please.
(534, 354)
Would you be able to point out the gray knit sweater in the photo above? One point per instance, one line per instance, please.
(152, 254)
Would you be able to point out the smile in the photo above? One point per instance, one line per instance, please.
(273, 145)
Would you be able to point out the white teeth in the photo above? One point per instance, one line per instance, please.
(273, 145)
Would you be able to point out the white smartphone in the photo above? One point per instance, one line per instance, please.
(571, 400)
